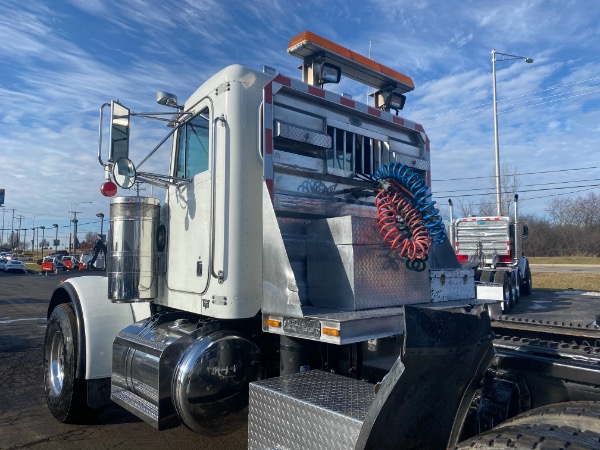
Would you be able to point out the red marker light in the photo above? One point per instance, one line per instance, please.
(108, 189)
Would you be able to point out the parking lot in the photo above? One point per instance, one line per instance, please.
(24, 419)
(26, 423)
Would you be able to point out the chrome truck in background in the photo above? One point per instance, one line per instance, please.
(296, 277)
(493, 247)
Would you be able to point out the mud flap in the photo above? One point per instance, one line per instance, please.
(424, 399)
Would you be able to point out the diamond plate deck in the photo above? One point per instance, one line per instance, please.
(315, 410)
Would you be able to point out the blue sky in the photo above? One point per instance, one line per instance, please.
(62, 59)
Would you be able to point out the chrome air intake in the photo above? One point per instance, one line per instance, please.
(132, 262)
(170, 369)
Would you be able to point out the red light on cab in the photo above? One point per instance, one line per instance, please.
(108, 189)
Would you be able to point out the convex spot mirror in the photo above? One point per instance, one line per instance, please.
(124, 173)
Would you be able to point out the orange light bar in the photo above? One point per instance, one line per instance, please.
(353, 65)
(274, 323)
(331, 331)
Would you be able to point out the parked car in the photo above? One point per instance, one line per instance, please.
(52, 264)
(14, 265)
(86, 258)
(70, 262)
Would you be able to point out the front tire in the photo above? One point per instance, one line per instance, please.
(65, 394)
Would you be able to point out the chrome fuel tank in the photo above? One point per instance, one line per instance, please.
(132, 262)
(171, 369)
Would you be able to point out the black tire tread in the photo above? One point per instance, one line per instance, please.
(582, 415)
(533, 437)
(569, 425)
(526, 287)
(486, 276)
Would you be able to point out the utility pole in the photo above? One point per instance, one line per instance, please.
(138, 188)
(2, 237)
(20, 217)
(12, 229)
(75, 242)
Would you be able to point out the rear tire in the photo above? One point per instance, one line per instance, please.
(66, 395)
(572, 425)
(486, 276)
(527, 285)
(504, 279)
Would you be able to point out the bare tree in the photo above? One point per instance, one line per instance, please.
(583, 212)
(511, 183)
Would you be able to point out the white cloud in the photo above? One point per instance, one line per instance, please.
(62, 60)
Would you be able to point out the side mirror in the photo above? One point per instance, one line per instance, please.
(525, 231)
(119, 132)
(124, 173)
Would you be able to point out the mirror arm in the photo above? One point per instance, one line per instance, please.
(162, 180)
(158, 146)
(150, 115)
(153, 181)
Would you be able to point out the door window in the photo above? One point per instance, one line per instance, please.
(192, 155)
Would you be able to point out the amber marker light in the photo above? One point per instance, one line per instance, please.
(331, 331)
(274, 323)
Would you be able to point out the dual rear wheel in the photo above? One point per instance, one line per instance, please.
(570, 425)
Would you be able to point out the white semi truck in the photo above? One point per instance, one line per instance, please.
(493, 247)
(296, 278)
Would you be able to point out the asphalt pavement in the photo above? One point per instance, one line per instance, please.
(25, 421)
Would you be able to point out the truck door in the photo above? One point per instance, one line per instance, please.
(189, 206)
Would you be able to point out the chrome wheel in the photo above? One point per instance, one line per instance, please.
(56, 363)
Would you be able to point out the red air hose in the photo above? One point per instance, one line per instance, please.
(400, 223)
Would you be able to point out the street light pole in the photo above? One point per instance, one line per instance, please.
(55, 225)
(101, 215)
(496, 142)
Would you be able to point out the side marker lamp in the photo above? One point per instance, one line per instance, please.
(108, 189)
(274, 323)
(331, 331)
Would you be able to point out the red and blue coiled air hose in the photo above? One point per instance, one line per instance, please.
(407, 218)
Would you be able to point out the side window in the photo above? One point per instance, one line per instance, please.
(192, 154)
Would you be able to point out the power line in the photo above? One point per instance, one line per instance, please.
(532, 184)
(523, 173)
(521, 200)
(533, 190)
